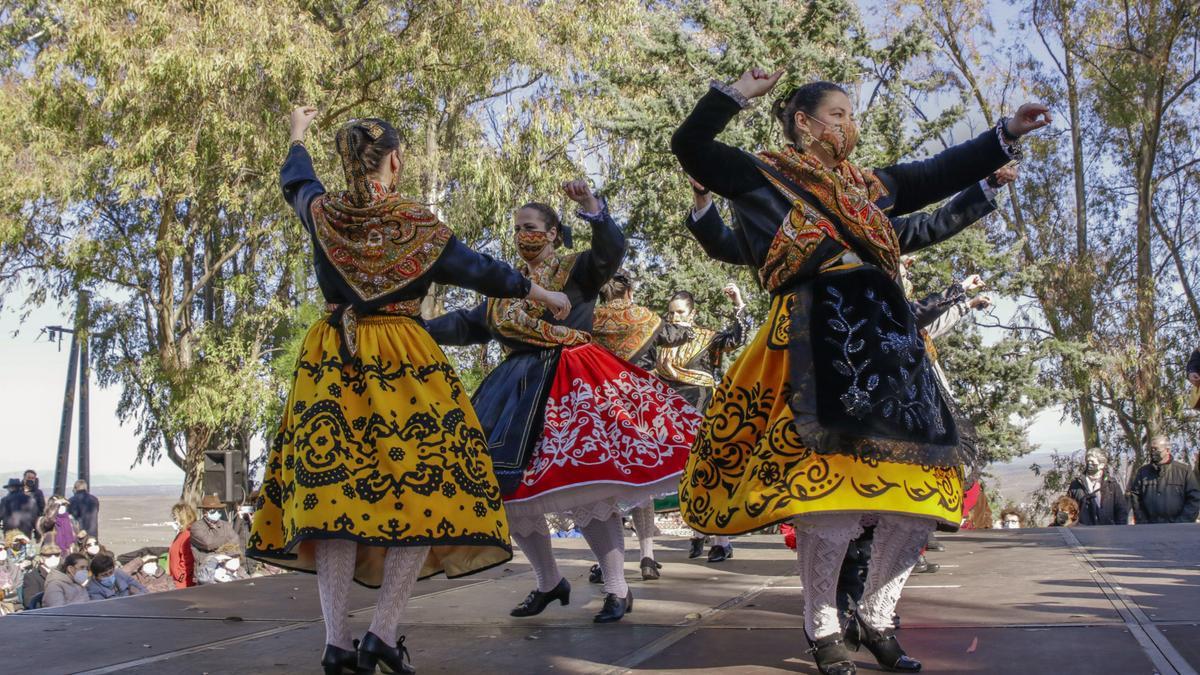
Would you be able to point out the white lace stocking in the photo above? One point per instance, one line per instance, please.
(896, 547)
(821, 541)
(643, 524)
(335, 571)
(536, 547)
(401, 566)
(607, 542)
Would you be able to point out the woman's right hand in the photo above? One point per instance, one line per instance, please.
(302, 117)
(756, 82)
(558, 303)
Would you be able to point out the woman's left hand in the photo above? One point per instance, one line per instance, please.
(580, 192)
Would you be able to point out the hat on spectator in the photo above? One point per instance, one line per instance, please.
(211, 502)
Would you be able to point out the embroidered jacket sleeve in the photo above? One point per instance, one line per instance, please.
(734, 335)
(915, 185)
(934, 307)
(461, 266)
(461, 327)
(723, 169)
(920, 230)
(300, 184)
(715, 237)
(594, 267)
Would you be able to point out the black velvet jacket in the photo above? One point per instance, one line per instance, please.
(511, 400)
(458, 265)
(860, 380)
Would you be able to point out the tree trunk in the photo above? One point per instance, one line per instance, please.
(198, 440)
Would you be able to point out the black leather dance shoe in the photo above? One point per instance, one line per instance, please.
(596, 575)
(831, 655)
(536, 601)
(650, 568)
(336, 659)
(923, 566)
(697, 548)
(882, 645)
(375, 652)
(615, 608)
(720, 553)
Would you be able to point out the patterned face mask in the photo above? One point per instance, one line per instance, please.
(531, 243)
(838, 139)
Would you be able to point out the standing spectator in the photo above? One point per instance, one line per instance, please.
(150, 571)
(67, 585)
(18, 510)
(180, 559)
(65, 530)
(1100, 498)
(110, 581)
(212, 534)
(85, 509)
(1164, 491)
(32, 489)
(34, 583)
(1011, 519)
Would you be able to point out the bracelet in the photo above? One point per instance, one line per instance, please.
(1003, 124)
(732, 93)
(1008, 142)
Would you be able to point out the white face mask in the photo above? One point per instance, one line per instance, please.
(93, 549)
(62, 510)
(174, 526)
(150, 569)
(52, 562)
(3, 554)
(213, 515)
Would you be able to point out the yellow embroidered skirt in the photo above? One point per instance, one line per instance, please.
(389, 454)
(748, 469)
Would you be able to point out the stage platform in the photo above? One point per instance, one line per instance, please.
(1088, 600)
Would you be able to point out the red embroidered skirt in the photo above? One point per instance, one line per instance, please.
(614, 436)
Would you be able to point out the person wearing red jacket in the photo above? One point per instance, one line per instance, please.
(180, 560)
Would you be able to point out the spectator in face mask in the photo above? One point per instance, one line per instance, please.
(150, 571)
(85, 509)
(34, 582)
(181, 560)
(18, 509)
(91, 547)
(1065, 512)
(10, 579)
(1164, 491)
(1100, 498)
(1010, 519)
(110, 581)
(213, 534)
(32, 489)
(67, 585)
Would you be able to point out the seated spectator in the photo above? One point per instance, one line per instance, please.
(67, 585)
(1011, 519)
(48, 558)
(91, 547)
(18, 509)
(110, 581)
(1065, 512)
(19, 547)
(65, 529)
(213, 534)
(10, 580)
(181, 560)
(151, 572)
(219, 569)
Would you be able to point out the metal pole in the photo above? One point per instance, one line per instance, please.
(64, 430)
(81, 332)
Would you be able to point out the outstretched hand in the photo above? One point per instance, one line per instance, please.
(1029, 117)
(302, 117)
(756, 82)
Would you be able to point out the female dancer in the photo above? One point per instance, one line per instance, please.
(832, 414)
(379, 472)
(571, 428)
(635, 334)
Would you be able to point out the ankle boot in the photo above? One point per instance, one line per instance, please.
(882, 644)
(697, 548)
(614, 608)
(536, 601)
(831, 655)
(650, 569)
(596, 575)
(375, 652)
(335, 659)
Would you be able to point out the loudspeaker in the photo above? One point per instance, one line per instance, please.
(225, 475)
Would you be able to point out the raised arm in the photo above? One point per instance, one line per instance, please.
(297, 177)
(461, 327)
(919, 230)
(461, 266)
(733, 335)
(715, 237)
(918, 184)
(598, 264)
